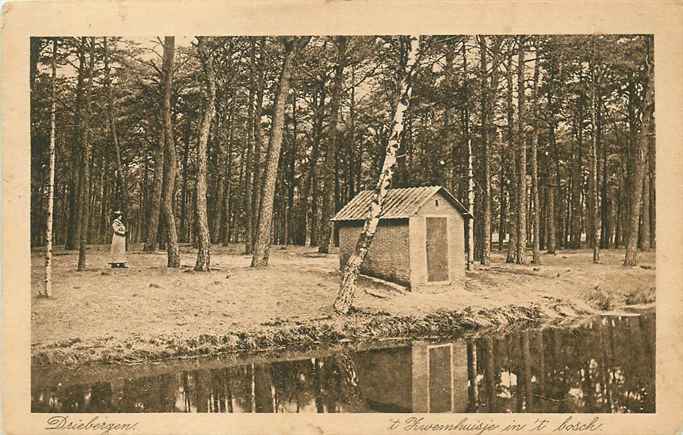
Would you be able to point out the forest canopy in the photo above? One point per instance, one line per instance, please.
(556, 131)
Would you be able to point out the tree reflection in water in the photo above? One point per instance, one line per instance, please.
(605, 366)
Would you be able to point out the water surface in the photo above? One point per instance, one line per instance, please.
(606, 366)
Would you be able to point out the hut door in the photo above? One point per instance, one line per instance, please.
(437, 249)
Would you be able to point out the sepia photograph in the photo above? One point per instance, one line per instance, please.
(456, 223)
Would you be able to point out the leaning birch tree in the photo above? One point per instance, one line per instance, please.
(347, 290)
(47, 292)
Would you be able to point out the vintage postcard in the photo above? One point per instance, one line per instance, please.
(404, 217)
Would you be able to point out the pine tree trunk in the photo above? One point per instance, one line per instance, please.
(639, 154)
(645, 213)
(262, 242)
(593, 197)
(184, 227)
(203, 263)
(251, 123)
(219, 190)
(227, 167)
(47, 291)
(469, 221)
(605, 210)
(345, 296)
(258, 143)
(85, 163)
(551, 243)
(513, 185)
(74, 225)
(171, 163)
(577, 195)
(153, 221)
(310, 184)
(502, 195)
(326, 241)
(291, 182)
(534, 165)
(521, 145)
(485, 145)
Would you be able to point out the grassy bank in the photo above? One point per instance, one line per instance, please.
(149, 312)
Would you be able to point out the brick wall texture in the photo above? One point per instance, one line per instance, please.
(388, 257)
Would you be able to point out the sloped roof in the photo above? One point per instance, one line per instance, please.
(399, 203)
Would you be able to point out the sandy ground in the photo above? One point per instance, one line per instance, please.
(103, 313)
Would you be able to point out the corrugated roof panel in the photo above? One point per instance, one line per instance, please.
(399, 203)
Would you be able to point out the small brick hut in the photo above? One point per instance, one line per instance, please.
(419, 240)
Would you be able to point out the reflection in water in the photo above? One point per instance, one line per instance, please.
(607, 366)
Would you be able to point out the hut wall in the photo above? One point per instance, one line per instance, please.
(456, 239)
(388, 257)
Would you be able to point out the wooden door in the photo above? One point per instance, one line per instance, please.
(440, 379)
(437, 249)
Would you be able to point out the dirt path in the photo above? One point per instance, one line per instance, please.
(151, 312)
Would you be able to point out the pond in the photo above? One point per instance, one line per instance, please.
(606, 365)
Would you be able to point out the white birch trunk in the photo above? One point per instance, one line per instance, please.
(51, 181)
(345, 296)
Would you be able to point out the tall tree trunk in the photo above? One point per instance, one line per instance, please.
(258, 143)
(153, 221)
(203, 263)
(345, 296)
(630, 146)
(291, 182)
(577, 179)
(469, 221)
(593, 196)
(639, 155)
(74, 220)
(489, 97)
(513, 185)
(171, 163)
(645, 214)
(605, 209)
(353, 159)
(554, 189)
(485, 157)
(219, 206)
(47, 291)
(521, 144)
(310, 184)
(262, 242)
(534, 165)
(250, 142)
(502, 195)
(184, 218)
(227, 167)
(326, 241)
(85, 162)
